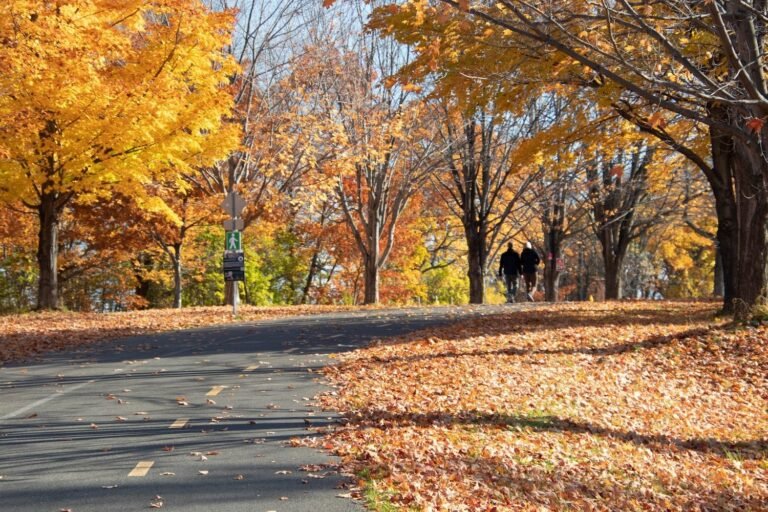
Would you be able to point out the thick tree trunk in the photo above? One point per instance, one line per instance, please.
(749, 165)
(177, 276)
(47, 253)
(371, 293)
(372, 257)
(476, 281)
(721, 183)
(612, 276)
(551, 281)
(142, 285)
(727, 240)
(751, 188)
(738, 183)
(477, 260)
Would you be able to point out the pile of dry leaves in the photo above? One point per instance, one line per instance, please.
(616, 406)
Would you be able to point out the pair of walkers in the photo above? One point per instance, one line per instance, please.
(514, 264)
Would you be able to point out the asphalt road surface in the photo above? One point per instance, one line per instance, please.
(189, 421)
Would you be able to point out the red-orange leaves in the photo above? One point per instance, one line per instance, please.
(617, 406)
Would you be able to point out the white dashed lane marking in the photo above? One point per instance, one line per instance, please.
(44, 400)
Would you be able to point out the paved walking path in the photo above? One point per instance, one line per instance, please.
(189, 421)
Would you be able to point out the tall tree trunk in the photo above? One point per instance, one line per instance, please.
(177, 276)
(612, 282)
(371, 293)
(750, 181)
(310, 276)
(721, 182)
(142, 288)
(582, 280)
(553, 242)
(48, 252)
(613, 263)
(718, 287)
(551, 281)
(372, 263)
(477, 260)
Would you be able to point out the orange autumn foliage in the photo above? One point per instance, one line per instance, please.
(632, 406)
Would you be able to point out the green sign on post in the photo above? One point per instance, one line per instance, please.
(233, 241)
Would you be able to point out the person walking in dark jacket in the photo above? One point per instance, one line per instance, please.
(529, 261)
(510, 268)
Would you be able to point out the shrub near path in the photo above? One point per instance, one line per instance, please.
(616, 406)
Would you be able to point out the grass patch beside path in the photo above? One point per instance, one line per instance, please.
(31, 334)
(615, 406)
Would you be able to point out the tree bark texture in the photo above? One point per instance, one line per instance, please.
(553, 248)
(372, 256)
(718, 286)
(613, 283)
(48, 252)
(313, 267)
(738, 181)
(477, 256)
(371, 292)
(751, 171)
(177, 284)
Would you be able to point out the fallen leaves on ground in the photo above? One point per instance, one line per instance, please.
(31, 334)
(616, 406)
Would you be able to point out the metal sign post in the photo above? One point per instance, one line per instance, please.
(234, 257)
(233, 204)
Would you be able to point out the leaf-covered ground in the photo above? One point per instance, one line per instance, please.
(25, 336)
(618, 406)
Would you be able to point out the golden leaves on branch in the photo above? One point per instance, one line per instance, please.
(111, 104)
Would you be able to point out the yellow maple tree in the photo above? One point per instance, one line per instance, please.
(102, 96)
